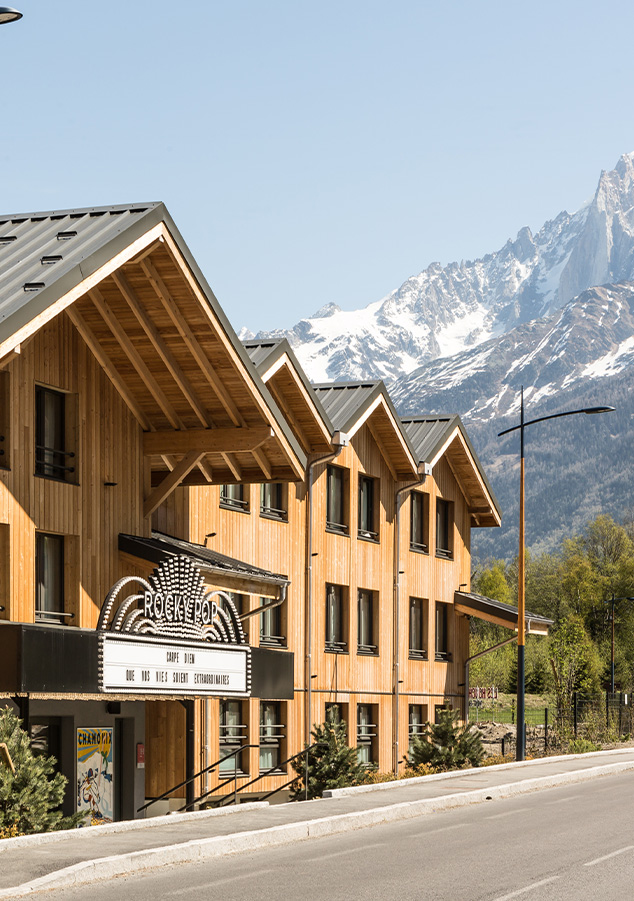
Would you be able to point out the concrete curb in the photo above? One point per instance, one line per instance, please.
(46, 838)
(206, 849)
(457, 774)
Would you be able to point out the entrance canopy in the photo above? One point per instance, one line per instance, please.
(496, 612)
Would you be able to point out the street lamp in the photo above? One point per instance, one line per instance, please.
(612, 601)
(8, 14)
(521, 608)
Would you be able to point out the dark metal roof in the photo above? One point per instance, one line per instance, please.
(265, 353)
(160, 546)
(479, 604)
(345, 402)
(43, 255)
(33, 277)
(429, 434)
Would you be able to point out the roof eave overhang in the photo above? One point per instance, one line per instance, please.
(501, 615)
(383, 421)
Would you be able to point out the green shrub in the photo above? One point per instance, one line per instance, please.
(445, 745)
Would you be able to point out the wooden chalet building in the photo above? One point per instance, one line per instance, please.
(201, 552)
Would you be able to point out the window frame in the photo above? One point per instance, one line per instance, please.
(232, 736)
(274, 508)
(418, 653)
(367, 648)
(367, 509)
(50, 461)
(419, 522)
(442, 635)
(271, 624)
(367, 740)
(54, 610)
(416, 728)
(336, 641)
(337, 491)
(444, 529)
(230, 502)
(272, 736)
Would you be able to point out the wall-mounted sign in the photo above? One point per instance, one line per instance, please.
(172, 636)
(480, 693)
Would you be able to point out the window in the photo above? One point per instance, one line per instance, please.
(336, 507)
(336, 713)
(232, 735)
(367, 632)
(273, 500)
(271, 625)
(5, 406)
(232, 497)
(336, 619)
(367, 734)
(368, 520)
(444, 529)
(442, 633)
(419, 522)
(271, 735)
(49, 577)
(417, 644)
(417, 718)
(53, 458)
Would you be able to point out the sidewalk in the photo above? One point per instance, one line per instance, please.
(54, 860)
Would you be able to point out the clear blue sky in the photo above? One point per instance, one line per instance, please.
(315, 153)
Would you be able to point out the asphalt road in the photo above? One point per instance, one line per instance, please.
(563, 844)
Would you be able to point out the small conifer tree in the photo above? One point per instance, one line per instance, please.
(30, 797)
(331, 763)
(445, 745)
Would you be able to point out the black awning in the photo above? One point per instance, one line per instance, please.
(496, 612)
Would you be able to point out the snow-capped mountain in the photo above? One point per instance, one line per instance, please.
(552, 312)
(445, 310)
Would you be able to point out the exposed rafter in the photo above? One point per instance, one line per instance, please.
(171, 481)
(206, 441)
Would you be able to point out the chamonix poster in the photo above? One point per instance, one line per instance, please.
(94, 774)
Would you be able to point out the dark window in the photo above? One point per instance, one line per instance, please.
(417, 716)
(444, 529)
(419, 522)
(336, 618)
(442, 633)
(232, 497)
(271, 735)
(273, 500)
(367, 632)
(336, 713)
(417, 645)
(271, 625)
(49, 574)
(367, 733)
(52, 456)
(368, 525)
(336, 508)
(232, 736)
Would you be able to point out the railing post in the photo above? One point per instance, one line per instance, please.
(545, 728)
(574, 711)
(306, 774)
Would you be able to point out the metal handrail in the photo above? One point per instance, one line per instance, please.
(185, 782)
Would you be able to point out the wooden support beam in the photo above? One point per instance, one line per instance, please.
(206, 470)
(192, 343)
(381, 447)
(170, 482)
(263, 462)
(106, 364)
(161, 348)
(233, 465)
(135, 358)
(206, 441)
(11, 355)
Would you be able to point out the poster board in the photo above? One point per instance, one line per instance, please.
(95, 773)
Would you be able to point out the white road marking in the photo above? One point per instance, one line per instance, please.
(343, 853)
(592, 863)
(216, 882)
(509, 813)
(563, 800)
(435, 831)
(527, 888)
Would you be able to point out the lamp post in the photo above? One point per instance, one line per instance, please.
(521, 608)
(8, 14)
(612, 602)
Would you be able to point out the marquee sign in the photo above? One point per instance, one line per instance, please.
(172, 635)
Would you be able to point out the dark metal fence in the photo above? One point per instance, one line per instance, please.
(598, 720)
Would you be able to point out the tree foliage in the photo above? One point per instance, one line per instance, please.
(445, 745)
(331, 763)
(30, 797)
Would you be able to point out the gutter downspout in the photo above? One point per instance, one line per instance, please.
(426, 470)
(340, 440)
